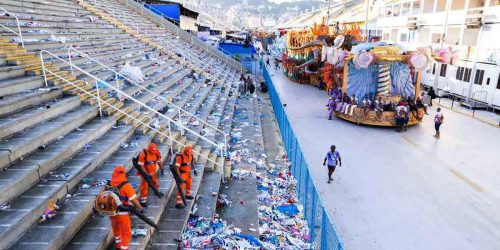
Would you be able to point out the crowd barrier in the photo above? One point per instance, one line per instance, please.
(321, 225)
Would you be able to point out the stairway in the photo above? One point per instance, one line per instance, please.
(53, 137)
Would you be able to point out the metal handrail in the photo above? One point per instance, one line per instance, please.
(157, 12)
(112, 15)
(20, 34)
(169, 136)
(127, 96)
(147, 90)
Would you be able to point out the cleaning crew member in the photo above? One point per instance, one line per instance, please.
(150, 161)
(122, 229)
(183, 163)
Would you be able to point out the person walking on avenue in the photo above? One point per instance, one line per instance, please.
(267, 62)
(276, 64)
(332, 159)
(432, 94)
(438, 120)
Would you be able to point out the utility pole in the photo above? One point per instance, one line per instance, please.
(366, 19)
(443, 38)
(328, 14)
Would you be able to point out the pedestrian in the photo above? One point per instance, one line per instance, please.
(251, 88)
(241, 87)
(248, 84)
(438, 120)
(333, 159)
(276, 64)
(331, 107)
(267, 62)
(432, 94)
(263, 87)
(400, 116)
(150, 162)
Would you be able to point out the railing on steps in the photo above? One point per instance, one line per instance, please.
(18, 33)
(102, 102)
(163, 20)
(179, 108)
(173, 45)
(138, 33)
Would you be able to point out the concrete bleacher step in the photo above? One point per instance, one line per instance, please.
(96, 233)
(142, 38)
(173, 220)
(21, 84)
(15, 102)
(21, 145)
(55, 185)
(206, 200)
(26, 118)
(210, 165)
(9, 72)
(22, 174)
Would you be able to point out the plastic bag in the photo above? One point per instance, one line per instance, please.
(133, 73)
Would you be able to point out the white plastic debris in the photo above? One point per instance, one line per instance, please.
(133, 73)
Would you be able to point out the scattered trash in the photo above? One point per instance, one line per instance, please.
(4, 206)
(241, 174)
(87, 180)
(203, 233)
(53, 38)
(50, 212)
(223, 201)
(281, 220)
(139, 232)
(133, 73)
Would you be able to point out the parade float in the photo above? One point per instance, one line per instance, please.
(387, 74)
(336, 60)
(305, 50)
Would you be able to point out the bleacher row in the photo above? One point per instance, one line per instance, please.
(53, 139)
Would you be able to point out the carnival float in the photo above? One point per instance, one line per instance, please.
(375, 76)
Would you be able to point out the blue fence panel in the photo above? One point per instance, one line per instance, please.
(321, 226)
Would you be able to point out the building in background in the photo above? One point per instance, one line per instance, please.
(468, 26)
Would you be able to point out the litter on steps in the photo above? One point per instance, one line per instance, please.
(50, 212)
(281, 219)
(203, 233)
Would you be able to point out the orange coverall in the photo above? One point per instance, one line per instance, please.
(120, 222)
(183, 162)
(151, 162)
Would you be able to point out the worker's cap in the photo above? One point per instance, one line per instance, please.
(119, 172)
(153, 148)
(188, 149)
(332, 146)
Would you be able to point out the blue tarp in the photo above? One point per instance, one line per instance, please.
(290, 210)
(233, 48)
(171, 10)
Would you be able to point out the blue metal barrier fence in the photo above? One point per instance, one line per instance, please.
(321, 225)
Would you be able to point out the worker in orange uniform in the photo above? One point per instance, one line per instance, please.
(122, 229)
(150, 161)
(183, 163)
